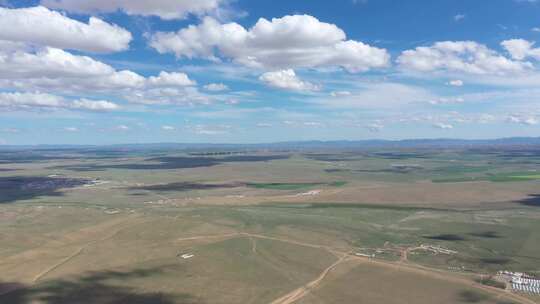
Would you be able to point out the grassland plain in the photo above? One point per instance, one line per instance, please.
(265, 227)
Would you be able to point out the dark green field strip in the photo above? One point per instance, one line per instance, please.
(498, 177)
(293, 186)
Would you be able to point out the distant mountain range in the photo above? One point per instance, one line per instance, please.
(514, 142)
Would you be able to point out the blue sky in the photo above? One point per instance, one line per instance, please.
(118, 71)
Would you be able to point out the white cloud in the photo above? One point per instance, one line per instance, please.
(298, 41)
(455, 83)
(312, 124)
(31, 101)
(39, 25)
(375, 127)
(287, 79)
(447, 100)
(60, 72)
(94, 105)
(165, 9)
(71, 129)
(520, 49)
(444, 126)
(385, 95)
(10, 130)
(216, 87)
(459, 17)
(535, 29)
(460, 56)
(340, 93)
(49, 62)
(122, 128)
(167, 96)
(210, 129)
(171, 80)
(264, 125)
(168, 128)
(524, 120)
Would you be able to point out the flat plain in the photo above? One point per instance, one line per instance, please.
(361, 226)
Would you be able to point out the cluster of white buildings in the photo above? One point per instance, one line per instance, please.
(437, 249)
(521, 282)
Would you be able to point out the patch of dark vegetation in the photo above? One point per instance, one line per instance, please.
(401, 155)
(532, 200)
(293, 186)
(352, 206)
(519, 154)
(391, 170)
(139, 194)
(93, 288)
(333, 157)
(283, 186)
(486, 234)
(337, 184)
(21, 157)
(445, 237)
(470, 296)
(336, 170)
(31, 156)
(495, 261)
(8, 170)
(171, 163)
(460, 169)
(490, 281)
(186, 186)
(217, 153)
(27, 187)
(374, 171)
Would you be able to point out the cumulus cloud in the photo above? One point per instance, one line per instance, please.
(39, 25)
(54, 69)
(455, 83)
(375, 126)
(340, 93)
(167, 96)
(459, 17)
(524, 120)
(520, 49)
(287, 79)
(216, 87)
(210, 130)
(171, 80)
(121, 128)
(298, 41)
(71, 129)
(94, 105)
(460, 56)
(165, 9)
(444, 126)
(31, 101)
(168, 128)
(385, 95)
(447, 100)
(60, 72)
(49, 62)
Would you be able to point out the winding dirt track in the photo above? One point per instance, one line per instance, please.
(302, 291)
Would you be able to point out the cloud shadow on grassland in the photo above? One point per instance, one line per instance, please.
(91, 288)
(169, 163)
(14, 188)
